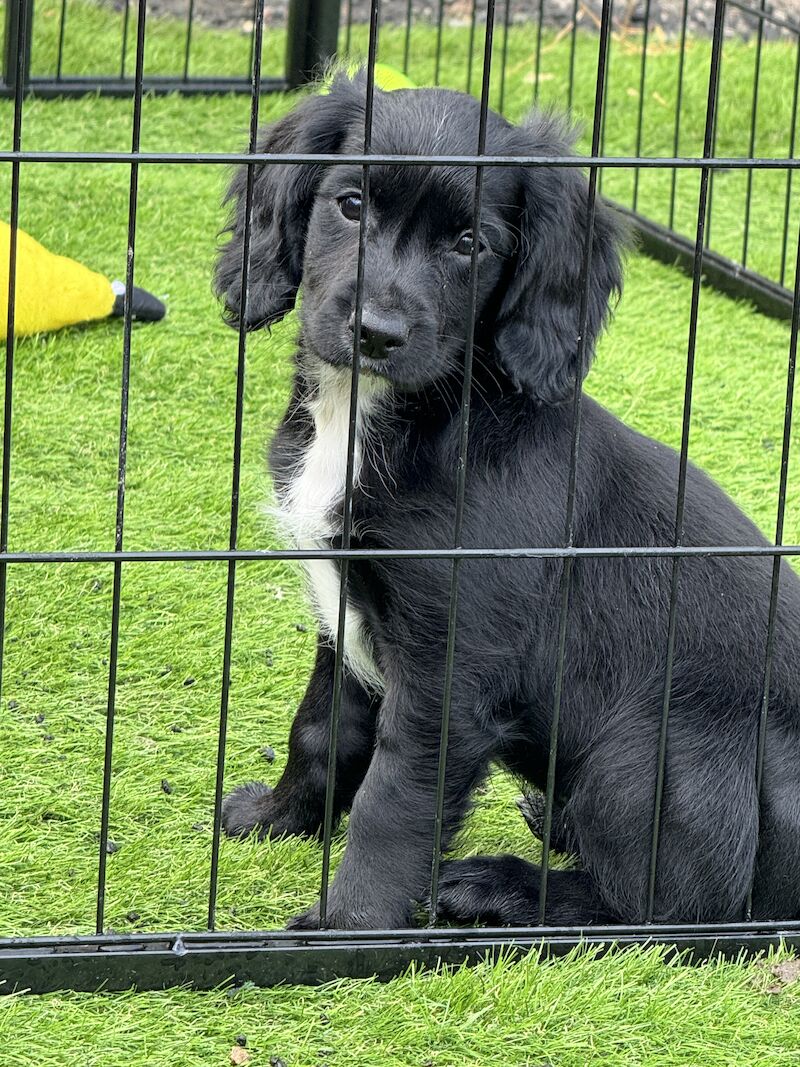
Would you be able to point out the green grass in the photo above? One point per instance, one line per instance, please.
(628, 1009)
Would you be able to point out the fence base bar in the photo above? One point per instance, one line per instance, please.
(49, 88)
(206, 961)
(719, 272)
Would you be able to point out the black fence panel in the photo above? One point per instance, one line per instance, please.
(769, 278)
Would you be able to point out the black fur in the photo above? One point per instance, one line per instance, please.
(714, 837)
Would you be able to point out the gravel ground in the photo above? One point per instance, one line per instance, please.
(628, 14)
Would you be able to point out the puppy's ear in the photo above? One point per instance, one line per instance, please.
(538, 324)
(282, 199)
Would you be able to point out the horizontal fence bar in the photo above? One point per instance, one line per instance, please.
(221, 555)
(157, 961)
(383, 159)
(48, 89)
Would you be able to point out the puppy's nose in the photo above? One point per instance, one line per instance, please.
(381, 331)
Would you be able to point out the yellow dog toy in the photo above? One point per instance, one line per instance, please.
(54, 291)
(386, 78)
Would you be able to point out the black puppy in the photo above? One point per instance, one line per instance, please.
(714, 835)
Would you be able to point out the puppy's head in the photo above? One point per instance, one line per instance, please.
(416, 286)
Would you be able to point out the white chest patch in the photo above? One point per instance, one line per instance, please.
(308, 503)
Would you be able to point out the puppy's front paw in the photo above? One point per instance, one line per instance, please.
(272, 812)
(247, 808)
(492, 890)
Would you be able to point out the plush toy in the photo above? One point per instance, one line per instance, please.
(386, 78)
(54, 291)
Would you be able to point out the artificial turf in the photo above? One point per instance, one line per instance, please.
(626, 1009)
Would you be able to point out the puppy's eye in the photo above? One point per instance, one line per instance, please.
(350, 206)
(465, 243)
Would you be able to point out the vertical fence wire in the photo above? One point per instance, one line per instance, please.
(187, 49)
(473, 19)
(504, 56)
(776, 562)
(714, 125)
(640, 112)
(437, 63)
(62, 22)
(606, 79)
(406, 35)
(252, 57)
(703, 204)
(347, 506)
(230, 594)
(753, 130)
(537, 55)
(573, 46)
(461, 474)
(8, 389)
(676, 133)
(567, 569)
(792, 135)
(123, 56)
(122, 463)
(348, 32)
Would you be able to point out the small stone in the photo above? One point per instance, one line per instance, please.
(133, 917)
(112, 847)
(301, 628)
(165, 786)
(38, 719)
(175, 729)
(188, 681)
(198, 826)
(268, 753)
(47, 737)
(97, 585)
(12, 704)
(241, 1040)
(787, 973)
(276, 1061)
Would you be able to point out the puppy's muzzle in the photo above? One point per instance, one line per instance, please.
(382, 332)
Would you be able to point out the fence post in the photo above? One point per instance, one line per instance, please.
(17, 10)
(311, 38)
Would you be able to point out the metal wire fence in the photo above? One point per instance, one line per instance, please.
(206, 958)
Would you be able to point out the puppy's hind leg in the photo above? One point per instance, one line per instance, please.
(708, 827)
(504, 891)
